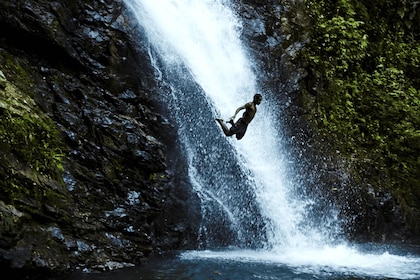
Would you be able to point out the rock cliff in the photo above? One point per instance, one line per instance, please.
(86, 182)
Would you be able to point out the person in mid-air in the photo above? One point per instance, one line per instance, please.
(239, 128)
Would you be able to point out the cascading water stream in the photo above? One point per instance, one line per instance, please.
(200, 40)
(248, 199)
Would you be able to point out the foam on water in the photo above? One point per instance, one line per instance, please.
(337, 260)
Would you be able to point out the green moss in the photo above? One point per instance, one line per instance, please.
(18, 75)
(156, 176)
(33, 140)
(31, 147)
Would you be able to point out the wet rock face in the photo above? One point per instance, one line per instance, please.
(83, 65)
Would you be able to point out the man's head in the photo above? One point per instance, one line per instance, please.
(257, 98)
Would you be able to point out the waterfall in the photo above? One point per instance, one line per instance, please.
(247, 197)
(250, 203)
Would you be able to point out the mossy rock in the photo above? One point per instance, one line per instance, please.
(30, 143)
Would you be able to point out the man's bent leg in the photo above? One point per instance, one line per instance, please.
(226, 130)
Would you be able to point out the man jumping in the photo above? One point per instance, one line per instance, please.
(239, 128)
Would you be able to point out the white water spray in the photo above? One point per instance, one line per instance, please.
(203, 36)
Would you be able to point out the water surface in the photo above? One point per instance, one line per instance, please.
(368, 261)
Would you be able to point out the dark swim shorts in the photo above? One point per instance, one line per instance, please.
(239, 128)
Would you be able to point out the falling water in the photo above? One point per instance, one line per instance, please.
(248, 199)
(199, 40)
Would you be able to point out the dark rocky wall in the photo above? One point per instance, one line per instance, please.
(114, 201)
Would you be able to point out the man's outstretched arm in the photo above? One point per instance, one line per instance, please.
(236, 112)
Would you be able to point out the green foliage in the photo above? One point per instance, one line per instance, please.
(367, 54)
(342, 43)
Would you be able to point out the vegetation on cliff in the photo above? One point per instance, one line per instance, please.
(364, 60)
(31, 148)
